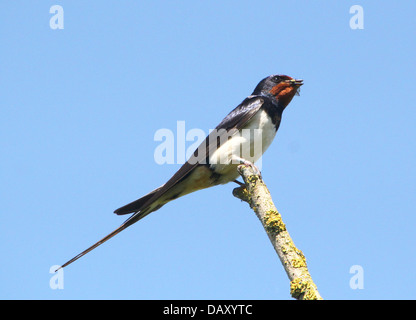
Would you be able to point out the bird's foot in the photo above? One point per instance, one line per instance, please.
(250, 164)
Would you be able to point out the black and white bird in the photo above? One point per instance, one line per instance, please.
(242, 137)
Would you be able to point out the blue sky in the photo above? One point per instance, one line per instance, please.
(80, 107)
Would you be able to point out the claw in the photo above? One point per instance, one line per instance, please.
(250, 164)
(255, 169)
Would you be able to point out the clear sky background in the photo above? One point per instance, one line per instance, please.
(80, 107)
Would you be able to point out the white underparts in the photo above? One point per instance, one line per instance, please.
(249, 144)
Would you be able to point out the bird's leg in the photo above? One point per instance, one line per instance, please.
(239, 183)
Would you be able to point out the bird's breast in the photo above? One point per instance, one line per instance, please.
(249, 144)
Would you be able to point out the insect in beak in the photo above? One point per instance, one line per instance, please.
(297, 83)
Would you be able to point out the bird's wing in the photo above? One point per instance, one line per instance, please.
(235, 120)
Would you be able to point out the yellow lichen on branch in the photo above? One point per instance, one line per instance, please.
(256, 194)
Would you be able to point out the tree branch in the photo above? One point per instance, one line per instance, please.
(256, 194)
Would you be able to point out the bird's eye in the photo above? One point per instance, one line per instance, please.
(277, 79)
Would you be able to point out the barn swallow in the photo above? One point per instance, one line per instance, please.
(215, 161)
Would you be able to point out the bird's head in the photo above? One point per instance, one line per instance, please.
(281, 87)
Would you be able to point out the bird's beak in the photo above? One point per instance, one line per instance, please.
(296, 82)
